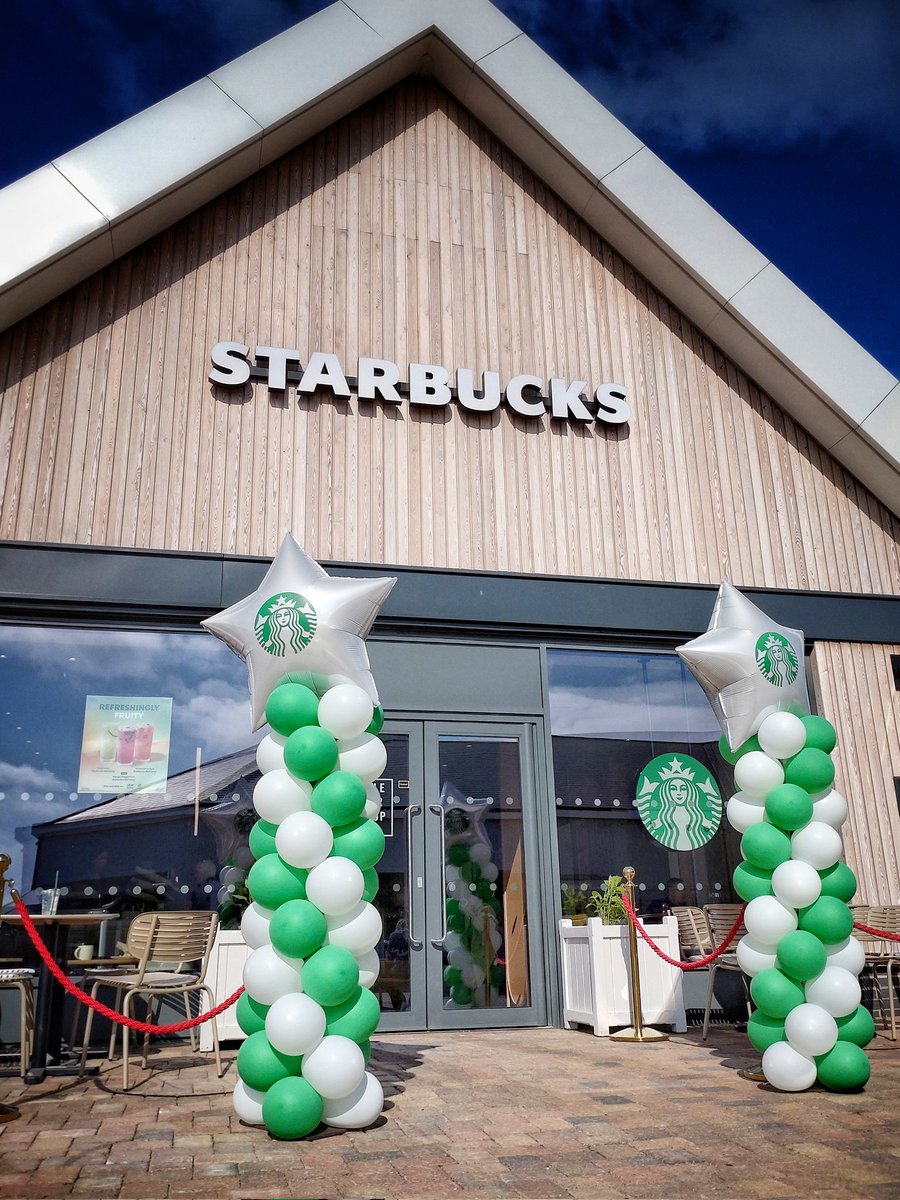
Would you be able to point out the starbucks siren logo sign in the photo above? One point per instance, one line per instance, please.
(679, 802)
(285, 624)
(776, 660)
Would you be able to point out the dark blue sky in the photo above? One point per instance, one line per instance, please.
(783, 116)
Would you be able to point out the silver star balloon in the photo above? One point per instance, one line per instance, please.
(301, 622)
(748, 665)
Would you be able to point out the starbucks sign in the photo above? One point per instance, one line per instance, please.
(285, 624)
(679, 801)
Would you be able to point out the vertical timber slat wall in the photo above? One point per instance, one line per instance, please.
(407, 232)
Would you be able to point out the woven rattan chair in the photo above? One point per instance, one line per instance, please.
(720, 918)
(172, 951)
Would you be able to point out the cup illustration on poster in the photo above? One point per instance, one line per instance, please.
(308, 1009)
(125, 744)
(799, 949)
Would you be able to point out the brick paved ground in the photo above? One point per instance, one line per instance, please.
(531, 1113)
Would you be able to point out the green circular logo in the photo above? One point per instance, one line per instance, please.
(285, 624)
(679, 801)
(776, 660)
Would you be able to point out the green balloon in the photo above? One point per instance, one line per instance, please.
(764, 1031)
(750, 882)
(458, 854)
(260, 1065)
(859, 1027)
(458, 922)
(788, 806)
(844, 1068)
(339, 798)
(262, 839)
(828, 918)
(362, 840)
(250, 1014)
(272, 882)
(318, 684)
(470, 872)
(839, 881)
(775, 993)
(366, 1048)
(357, 1018)
(290, 707)
(330, 976)
(377, 723)
(801, 955)
(292, 1108)
(811, 769)
(371, 882)
(752, 743)
(730, 756)
(298, 929)
(498, 975)
(310, 753)
(462, 995)
(452, 976)
(451, 907)
(484, 890)
(765, 847)
(820, 734)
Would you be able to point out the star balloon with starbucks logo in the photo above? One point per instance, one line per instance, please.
(748, 665)
(301, 623)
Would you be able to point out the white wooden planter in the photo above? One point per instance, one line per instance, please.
(596, 976)
(224, 974)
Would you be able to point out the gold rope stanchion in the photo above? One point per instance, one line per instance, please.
(636, 1032)
(7, 1112)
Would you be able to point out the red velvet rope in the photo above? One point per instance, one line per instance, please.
(674, 962)
(103, 1009)
(881, 933)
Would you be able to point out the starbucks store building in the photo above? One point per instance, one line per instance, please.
(394, 283)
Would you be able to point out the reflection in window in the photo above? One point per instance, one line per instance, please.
(124, 847)
(611, 713)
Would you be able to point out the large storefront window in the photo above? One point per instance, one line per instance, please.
(127, 765)
(611, 714)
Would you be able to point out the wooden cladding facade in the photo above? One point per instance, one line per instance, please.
(407, 232)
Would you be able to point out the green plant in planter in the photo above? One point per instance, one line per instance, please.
(574, 902)
(607, 903)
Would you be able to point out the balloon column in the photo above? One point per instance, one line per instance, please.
(307, 1008)
(799, 951)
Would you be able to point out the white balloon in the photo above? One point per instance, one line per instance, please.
(244, 858)
(782, 735)
(372, 807)
(810, 1029)
(817, 844)
(490, 871)
(459, 958)
(223, 895)
(756, 773)
(248, 1103)
(473, 975)
(787, 1069)
(480, 852)
(359, 1109)
(278, 794)
(743, 811)
(232, 875)
(255, 925)
(270, 753)
(369, 968)
(345, 711)
(753, 956)
(768, 920)
(836, 990)
(496, 939)
(335, 1067)
(358, 930)
(849, 954)
(269, 975)
(365, 756)
(452, 941)
(796, 883)
(451, 873)
(335, 885)
(295, 1024)
(304, 839)
(831, 809)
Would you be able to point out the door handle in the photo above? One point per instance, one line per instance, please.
(438, 943)
(414, 942)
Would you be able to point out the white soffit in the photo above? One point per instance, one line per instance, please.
(67, 220)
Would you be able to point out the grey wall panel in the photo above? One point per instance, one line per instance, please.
(446, 678)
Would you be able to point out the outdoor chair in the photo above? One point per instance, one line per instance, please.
(882, 954)
(22, 979)
(172, 951)
(720, 918)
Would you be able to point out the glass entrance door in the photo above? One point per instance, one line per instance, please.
(461, 946)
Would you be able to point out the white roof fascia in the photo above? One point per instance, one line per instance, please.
(67, 220)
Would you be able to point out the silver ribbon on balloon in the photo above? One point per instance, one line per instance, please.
(748, 665)
(302, 624)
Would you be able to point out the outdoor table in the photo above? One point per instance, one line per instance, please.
(46, 1046)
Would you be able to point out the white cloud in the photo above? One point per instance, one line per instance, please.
(26, 778)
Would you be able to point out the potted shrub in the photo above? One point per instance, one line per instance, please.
(574, 903)
(607, 902)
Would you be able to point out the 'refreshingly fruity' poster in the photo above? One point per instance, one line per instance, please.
(125, 744)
